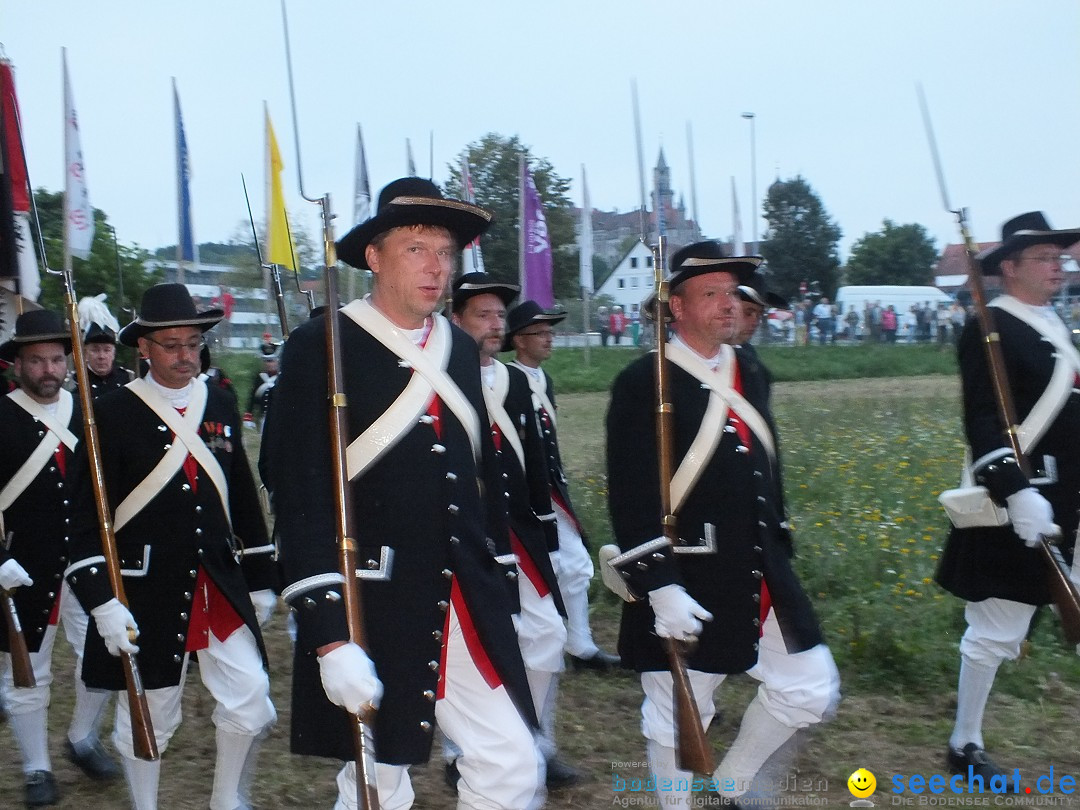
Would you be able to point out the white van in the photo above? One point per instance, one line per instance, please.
(900, 296)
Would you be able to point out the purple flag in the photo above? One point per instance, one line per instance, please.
(535, 246)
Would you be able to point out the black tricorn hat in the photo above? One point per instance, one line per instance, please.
(526, 314)
(708, 257)
(98, 333)
(478, 283)
(413, 201)
(756, 292)
(1021, 232)
(37, 326)
(165, 306)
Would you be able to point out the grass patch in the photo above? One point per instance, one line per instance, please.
(865, 461)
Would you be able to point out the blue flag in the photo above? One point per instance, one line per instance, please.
(186, 250)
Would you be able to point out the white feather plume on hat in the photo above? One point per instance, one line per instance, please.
(92, 310)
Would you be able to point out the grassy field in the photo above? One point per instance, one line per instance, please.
(864, 462)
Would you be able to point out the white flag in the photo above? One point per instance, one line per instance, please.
(585, 249)
(738, 248)
(78, 215)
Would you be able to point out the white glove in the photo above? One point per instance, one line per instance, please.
(12, 575)
(1032, 516)
(678, 615)
(113, 623)
(264, 602)
(348, 678)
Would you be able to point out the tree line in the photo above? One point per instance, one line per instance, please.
(800, 244)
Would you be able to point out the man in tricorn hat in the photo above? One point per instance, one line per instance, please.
(431, 544)
(198, 569)
(529, 333)
(998, 569)
(262, 387)
(729, 584)
(479, 305)
(40, 426)
(99, 329)
(754, 298)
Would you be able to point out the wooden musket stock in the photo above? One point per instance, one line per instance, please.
(22, 671)
(692, 750)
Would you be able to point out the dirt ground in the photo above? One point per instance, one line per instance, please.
(892, 735)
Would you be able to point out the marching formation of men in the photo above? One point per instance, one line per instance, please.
(473, 566)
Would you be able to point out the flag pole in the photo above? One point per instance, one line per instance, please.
(585, 260)
(693, 180)
(179, 187)
(521, 228)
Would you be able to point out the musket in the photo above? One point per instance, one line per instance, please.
(1062, 589)
(360, 723)
(275, 271)
(142, 731)
(692, 750)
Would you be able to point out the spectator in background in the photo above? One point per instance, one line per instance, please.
(801, 334)
(888, 324)
(602, 324)
(852, 321)
(874, 321)
(617, 324)
(957, 316)
(943, 320)
(823, 318)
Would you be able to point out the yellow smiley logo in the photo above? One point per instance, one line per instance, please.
(861, 783)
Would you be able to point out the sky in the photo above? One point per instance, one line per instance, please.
(831, 85)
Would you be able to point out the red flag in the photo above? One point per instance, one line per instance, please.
(17, 259)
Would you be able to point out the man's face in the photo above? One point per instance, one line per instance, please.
(484, 318)
(41, 368)
(1036, 276)
(100, 357)
(411, 267)
(270, 366)
(750, 315)
(534, 343)
(705, 310)
(173, 354)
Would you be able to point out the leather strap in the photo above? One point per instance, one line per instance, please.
(186, 441)
(57, 432)
(430, 377)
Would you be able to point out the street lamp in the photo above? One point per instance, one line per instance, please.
(753, 179)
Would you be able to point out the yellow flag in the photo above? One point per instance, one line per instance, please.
(280, 245)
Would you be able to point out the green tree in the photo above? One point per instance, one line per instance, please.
(897, 254)
(98, 274)
(801, 241)
(493, 168)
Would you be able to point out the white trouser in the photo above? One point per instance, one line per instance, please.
(541, 633)
(995, 630)
(796, 691)
(27, 708)
(89, 703)
(500, 766)
(574, 574)
(36, 698)
(232, 671)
